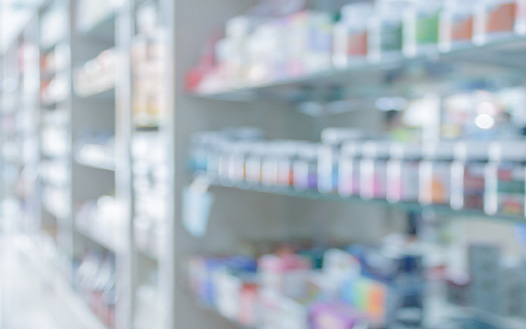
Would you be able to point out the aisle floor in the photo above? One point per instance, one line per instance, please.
(29, 299)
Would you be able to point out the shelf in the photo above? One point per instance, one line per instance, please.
(103, 28)
(405, 206)
(504, 54)
(108, 165)
(146, 252)
(87, 233)
(102, 93)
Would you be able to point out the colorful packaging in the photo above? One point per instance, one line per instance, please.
(335, 316)
(287, 274)
(506, 179)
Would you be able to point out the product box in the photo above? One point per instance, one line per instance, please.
(334, 315)
(287, 274)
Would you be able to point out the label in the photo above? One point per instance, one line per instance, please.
(511, 190)
(253, 169)
(462, 28)
(501, 18)
(357, 44)
(391, 37)
(427, 28)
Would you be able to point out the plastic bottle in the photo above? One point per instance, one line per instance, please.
(350, 34)
(457, 24)
(421, 27)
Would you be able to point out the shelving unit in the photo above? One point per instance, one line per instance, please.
(76, 183)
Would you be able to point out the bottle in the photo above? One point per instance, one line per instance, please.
(350, 35)
(457, 24)
(421, 27)
(373, 170)
(385, 36)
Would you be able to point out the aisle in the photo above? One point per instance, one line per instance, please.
(30, 299)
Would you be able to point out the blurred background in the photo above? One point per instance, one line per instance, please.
(298, 164)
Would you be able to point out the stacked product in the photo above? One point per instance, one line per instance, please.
(287, 290)
(258, 50)
(465, 175)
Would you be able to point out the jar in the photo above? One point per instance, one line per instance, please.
(350, 34)
(402, 173)
(505, 182)
(253, 164)
(306, 167)
(457, 24)
(329, 154)
(435, 174)
(421, 25)
(385, 37)
(495, 19)
(349, 169)
(373, 170)
(468, 183)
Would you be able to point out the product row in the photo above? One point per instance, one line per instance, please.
(385, 286)
(481, 176)
(257, 49)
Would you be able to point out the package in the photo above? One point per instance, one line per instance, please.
(335, 316)
(286, 274)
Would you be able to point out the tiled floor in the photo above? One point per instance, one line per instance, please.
(31, 298)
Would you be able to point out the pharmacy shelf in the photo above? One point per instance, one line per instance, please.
(101, 93)
(108, 165)
(504, 54)
(106, 244)
(443, 210)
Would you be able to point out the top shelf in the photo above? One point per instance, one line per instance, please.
(503, 57)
